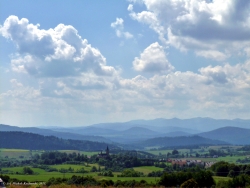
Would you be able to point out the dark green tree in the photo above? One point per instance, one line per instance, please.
(175, 152)
(191, 183)
(28, 170)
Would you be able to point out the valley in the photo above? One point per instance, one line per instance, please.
(139, 152)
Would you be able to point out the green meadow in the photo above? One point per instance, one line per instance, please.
(218, 178)
(88, 153)
(26, 154)
(147, 179)
(43, 176)
(147, 169)
(15, 153)
(230, 159)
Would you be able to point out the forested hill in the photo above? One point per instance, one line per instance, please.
(179, 141)
(30, 141)
(233, 135)
(48, 132)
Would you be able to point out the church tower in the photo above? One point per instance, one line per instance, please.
(107, 151)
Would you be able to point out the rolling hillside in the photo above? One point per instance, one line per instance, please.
(233, 135)
(139, 131)
(48, 132)
(128, 134)
(198, 124)
(179, 141)
(177, 133)
(30, 141)
(192, 126)
(148, 124)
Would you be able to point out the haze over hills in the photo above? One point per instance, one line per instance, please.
(177, 133)
(123, 132)
(134, 134)
(152, 126)
(232, 135)
(134, 131)
(126, 132)
(179, 141)
(195, 124)
(141, 130)
(89, 130)
(125, 136)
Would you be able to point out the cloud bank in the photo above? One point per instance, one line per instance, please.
(213, 29)
(66, 80)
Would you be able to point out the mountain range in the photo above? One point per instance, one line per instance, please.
(138, 131)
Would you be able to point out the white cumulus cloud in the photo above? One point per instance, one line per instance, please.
(119, 29)
(152, 59)
(212, 54)
(65, 80)
(57, 52)
(220, 27)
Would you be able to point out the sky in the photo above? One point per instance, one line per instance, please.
(76, 63)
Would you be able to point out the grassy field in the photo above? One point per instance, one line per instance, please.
(230, 159)
(26, 154)
(165, 152)
(218, 178)
(43, 176)
(69, 151)
(15, 153)
(221, 147)
(147, 169)
(76, 167)
(181, 151)
(147, 179)
(202, 150)
(88, 153)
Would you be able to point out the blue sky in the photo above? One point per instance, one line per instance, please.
(76, 63)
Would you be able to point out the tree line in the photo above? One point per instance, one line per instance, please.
(229, 169)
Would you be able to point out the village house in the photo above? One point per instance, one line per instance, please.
(195, 162)
(182, 162)
(208, 164)
(179, 162)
